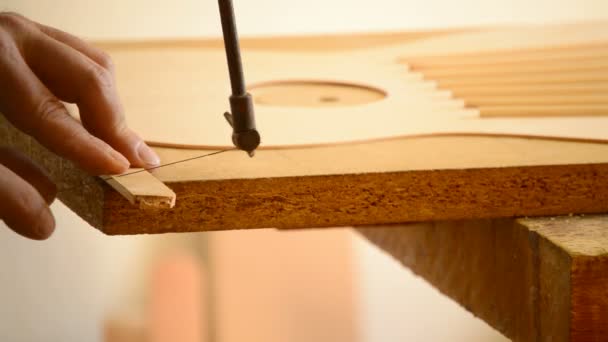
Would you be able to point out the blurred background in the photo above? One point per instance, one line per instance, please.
(262, 285)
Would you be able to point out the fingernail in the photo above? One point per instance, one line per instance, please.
(45, 226)
(147, 155)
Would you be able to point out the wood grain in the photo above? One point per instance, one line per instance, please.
(532, 279)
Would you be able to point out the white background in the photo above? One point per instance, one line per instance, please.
(162, 18)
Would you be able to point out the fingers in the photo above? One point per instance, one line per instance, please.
(94, 53)
(23, 209)
(51, 65)
(31, 107)
(30, 172)
(75, 77)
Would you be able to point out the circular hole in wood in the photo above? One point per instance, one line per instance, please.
(329, 99)
(314, 94)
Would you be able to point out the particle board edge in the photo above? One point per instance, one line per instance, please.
(368, 199)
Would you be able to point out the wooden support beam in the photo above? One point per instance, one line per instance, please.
(538, 279)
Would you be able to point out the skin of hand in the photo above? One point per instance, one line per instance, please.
(39, 68)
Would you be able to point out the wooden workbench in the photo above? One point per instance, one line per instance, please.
(532, 279)
(542, 279)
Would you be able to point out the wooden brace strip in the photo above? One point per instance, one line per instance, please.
(141, 188)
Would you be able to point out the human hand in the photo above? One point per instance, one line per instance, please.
(39, 67)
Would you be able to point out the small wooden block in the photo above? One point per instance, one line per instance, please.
(143, 189)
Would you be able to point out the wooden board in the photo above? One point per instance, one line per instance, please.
(402, 180)
(376, 182)
(319, 98)
(532, 279)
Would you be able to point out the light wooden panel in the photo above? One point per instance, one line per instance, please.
(328, 97)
